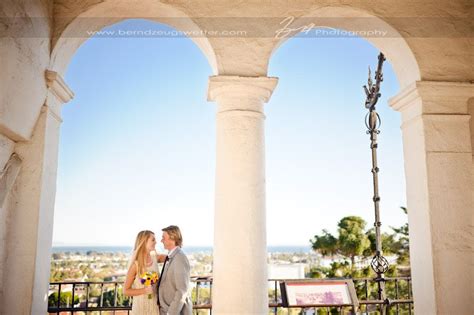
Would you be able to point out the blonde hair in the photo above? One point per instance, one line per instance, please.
(175, 234)
(140, 250)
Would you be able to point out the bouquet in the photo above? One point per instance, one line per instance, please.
(149, 278)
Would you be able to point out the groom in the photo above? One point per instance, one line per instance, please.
(173, 285)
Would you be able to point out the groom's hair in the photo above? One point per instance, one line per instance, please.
(175, 234)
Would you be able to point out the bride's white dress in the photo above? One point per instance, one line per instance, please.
(142, 305)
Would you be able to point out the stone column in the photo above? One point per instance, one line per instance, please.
(471, 113)
(439, 179)
(30, 228)
(240, 252)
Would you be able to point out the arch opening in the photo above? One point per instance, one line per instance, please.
(331, 20)
(327, 137)
(124, 168)
(70, 34)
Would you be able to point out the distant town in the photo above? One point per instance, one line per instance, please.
(94, 276)
(90, 264)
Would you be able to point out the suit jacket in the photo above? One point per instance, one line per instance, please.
(174, 286)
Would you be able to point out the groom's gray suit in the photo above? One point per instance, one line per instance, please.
(174, 285)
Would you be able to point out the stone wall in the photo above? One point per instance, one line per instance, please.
(24, 56)
(6, 150)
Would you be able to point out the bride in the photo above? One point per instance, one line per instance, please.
(144, 259)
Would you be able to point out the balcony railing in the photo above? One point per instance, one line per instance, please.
(77, 298)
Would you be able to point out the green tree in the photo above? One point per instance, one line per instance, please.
(204, 295)
(325, 244)
(351, 242)
(109, 298)
(66, 298)
(395, 243)
(387, 240)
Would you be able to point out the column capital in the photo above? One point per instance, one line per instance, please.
(58, 87)
(260, 88)
(58, 92)
(433, 97)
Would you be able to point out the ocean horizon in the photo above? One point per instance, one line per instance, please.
(188, 249)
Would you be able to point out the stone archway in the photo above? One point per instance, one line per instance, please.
(430, 106)
(433, 103)
(31, 203)
(74, 25)
(370, 27)
(434, 114)
(246, 127)
(347, 18)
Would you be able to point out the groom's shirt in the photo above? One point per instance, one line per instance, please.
(169, 256)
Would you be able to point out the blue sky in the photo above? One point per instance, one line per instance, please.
(137, 148)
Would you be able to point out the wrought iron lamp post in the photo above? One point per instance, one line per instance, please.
(372, 121)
